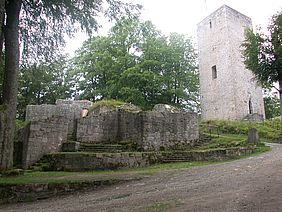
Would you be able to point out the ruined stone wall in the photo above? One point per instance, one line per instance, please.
(98, 128)
(109, 127)
(44, 136)
(165, 130)
(227, 95)
(149, 130)
(154, 130)
(69, 109)
(87, 162)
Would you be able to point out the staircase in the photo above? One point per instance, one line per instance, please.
(173, 157)
(111, 148)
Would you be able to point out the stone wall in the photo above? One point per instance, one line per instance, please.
(98, 161)
(42, 137)
(166, 130)
(69, 109)
(98, 128)
(51, 125)
(151, 130)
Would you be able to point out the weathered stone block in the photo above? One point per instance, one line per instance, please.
(70, 146)
(253, 137)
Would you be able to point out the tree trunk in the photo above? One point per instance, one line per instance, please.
(280, 96)
(2, 19)
(10, 84)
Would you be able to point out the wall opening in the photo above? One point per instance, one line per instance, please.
(210, 24)
(214, 72)
(250, 107)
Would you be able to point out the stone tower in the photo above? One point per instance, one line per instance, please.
(228, 90)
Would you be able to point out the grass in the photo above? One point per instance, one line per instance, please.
(269, 129)
(110, 102)
(65, 177)
(223, 141)
(162, 206)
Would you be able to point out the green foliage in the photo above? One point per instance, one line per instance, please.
(136, 63)
(271, 106)
(223, 141)
(268, 129)
(43, 83)
(45, 23)
(21, 124)
(11, 173)
(263, 54)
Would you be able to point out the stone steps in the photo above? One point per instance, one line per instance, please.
(101, 148)
(177, 157)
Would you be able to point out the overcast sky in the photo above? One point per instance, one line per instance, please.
(182, 16)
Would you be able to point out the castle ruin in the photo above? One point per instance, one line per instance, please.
(52, 126)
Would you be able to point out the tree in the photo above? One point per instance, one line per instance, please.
(43, 83)
(11, 34)
(271, 105)
(43, 25)
(136, 63)
(263, 55)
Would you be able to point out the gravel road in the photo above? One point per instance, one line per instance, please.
(250, 184)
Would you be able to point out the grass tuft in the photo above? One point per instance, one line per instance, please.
(107, 102)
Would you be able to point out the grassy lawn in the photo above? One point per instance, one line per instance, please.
(64, 177)
(133, 173)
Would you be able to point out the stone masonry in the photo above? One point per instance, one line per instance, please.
(52, 125)
(44, 136)
(49, 126)
(228, 90)
(152, 130)
(68, 109)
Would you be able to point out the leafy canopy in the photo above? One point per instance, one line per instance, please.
(136, 63)
(263, 55)
(44, 23)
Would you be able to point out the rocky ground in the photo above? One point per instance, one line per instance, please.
(250, 184)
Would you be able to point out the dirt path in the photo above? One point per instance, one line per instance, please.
(251, 184)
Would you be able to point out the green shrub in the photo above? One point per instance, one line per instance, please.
(12, 172)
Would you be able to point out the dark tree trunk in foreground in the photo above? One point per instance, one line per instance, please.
(10, 83)
(280, 96)
(2, 18)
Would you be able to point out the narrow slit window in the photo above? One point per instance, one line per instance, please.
(214, 72)
(210, 24)
(250, 107)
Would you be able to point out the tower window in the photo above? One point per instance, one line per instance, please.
(250, 107)
(214, 72)
(210, 24)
